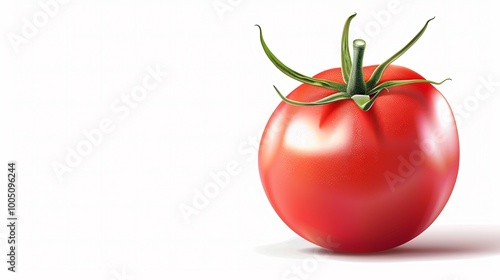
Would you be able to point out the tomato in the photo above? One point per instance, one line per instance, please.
(360, 179)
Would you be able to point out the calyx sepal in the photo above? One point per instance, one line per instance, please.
(362, 93)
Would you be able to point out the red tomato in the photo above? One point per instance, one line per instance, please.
(352, 174)
(361, 181)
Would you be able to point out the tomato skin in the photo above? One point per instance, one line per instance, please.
(361, 181)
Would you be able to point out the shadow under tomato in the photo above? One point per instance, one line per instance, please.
(439, 242)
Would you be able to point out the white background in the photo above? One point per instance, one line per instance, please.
(116, 214)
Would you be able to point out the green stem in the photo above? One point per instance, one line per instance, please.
(362, 93)
(356, 83)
